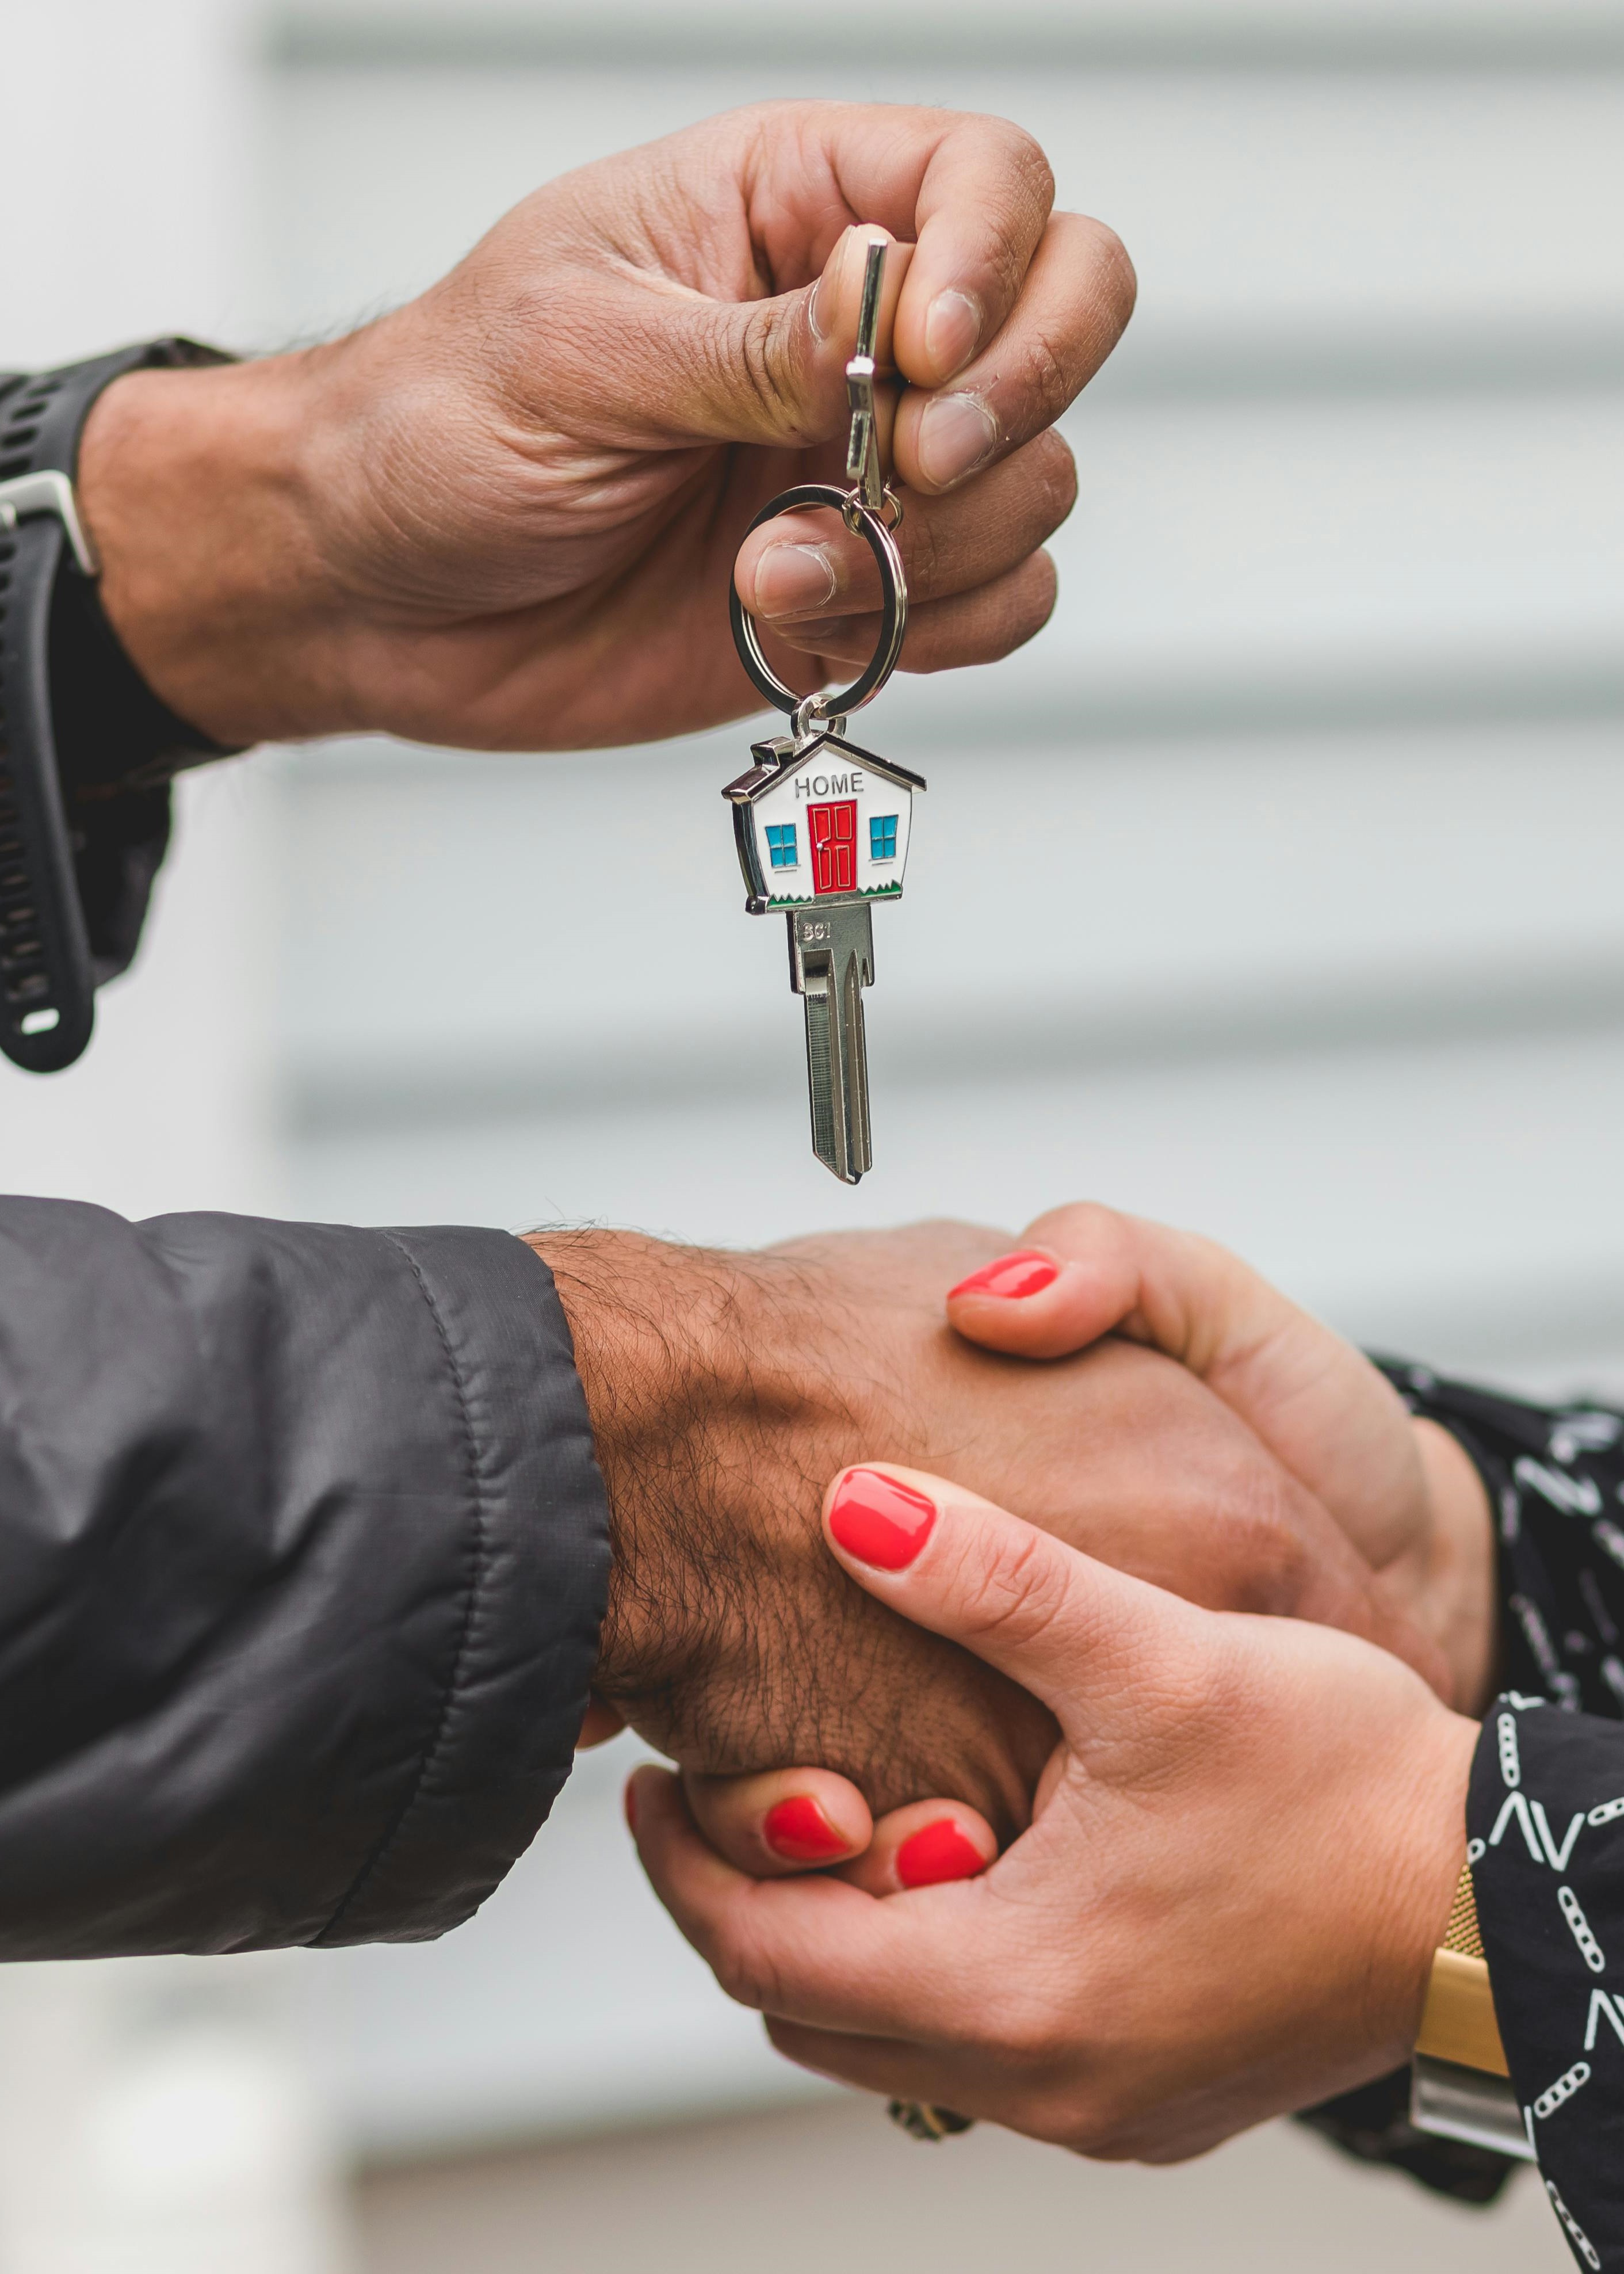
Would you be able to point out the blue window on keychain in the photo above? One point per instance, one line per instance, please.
(882, 837)
(781, 845)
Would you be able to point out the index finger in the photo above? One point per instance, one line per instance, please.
(975, 195)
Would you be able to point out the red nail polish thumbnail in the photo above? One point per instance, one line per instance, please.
(1012, 1276)
(941, 1851)
(798, 1830)
(879, 1521)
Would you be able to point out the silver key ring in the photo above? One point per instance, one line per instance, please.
(864, 521)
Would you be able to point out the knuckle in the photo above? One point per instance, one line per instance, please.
(923, 553)
(1017, 1589)
(1029, 164)
(1027, 605)
(1031, 198)
(1032, 2036)
(1082, 1221)
(762, 371)
(1042, 591)
(1050, 376)
(745, 1971)
(1268, 1559)
(1117, 280)
(1057, 472)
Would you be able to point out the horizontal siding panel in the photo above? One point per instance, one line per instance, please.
(1116, 902)
(1419, 33)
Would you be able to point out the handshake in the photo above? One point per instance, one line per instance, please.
(1108, 1569)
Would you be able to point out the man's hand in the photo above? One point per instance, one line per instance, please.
(507, 515)
(724, 1389)
(1242, 1860)
(1404, 1491)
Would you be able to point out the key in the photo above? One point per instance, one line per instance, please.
(831, 962)
(822, 831)
(820, 827)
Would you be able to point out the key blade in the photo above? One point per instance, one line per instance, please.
(831, 960)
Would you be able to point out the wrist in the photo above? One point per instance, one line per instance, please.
(1458, 1604)
(695, 1387)
(195, 487)
(1422, 1872)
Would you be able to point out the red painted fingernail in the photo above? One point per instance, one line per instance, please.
(628, 1801)
(879, 1521)
(941, 1851)
(798, 1830)
(1024, 1273)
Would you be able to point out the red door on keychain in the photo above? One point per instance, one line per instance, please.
(833, 832)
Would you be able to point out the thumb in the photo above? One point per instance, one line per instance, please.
(1079, 1636)
(770, 371)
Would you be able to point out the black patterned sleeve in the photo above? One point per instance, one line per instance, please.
(1555, 1477)
(1545, 1819)
(1545, 1816)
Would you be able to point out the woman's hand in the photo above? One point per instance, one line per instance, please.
(507, 516)
(1403, 1491)
(1243, 1855)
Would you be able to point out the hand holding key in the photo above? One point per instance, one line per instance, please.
(445, 524)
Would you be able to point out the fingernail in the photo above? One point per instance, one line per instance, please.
(793, 580)
(798, 1830)
(956, 433)
(941, 1851)
(628, 1801)
(1024, 1273)
(879, 1521)
(952, 327)
(827, 291)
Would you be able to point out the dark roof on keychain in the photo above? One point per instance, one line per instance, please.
(779, 759)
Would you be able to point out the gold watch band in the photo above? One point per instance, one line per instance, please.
(1458, 2023)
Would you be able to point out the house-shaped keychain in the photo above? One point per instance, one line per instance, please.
(822, 829)
(824, 823)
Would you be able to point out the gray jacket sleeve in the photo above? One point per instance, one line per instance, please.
(303, 1556)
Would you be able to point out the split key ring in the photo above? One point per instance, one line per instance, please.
(865, 521)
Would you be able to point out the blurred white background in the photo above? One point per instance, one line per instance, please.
(1329, 725)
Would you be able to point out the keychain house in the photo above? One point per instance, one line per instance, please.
(828, 822)
(822, 829)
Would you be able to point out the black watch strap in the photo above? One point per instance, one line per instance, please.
(86, 747)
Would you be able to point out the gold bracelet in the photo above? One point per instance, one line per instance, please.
(1458, 2023)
